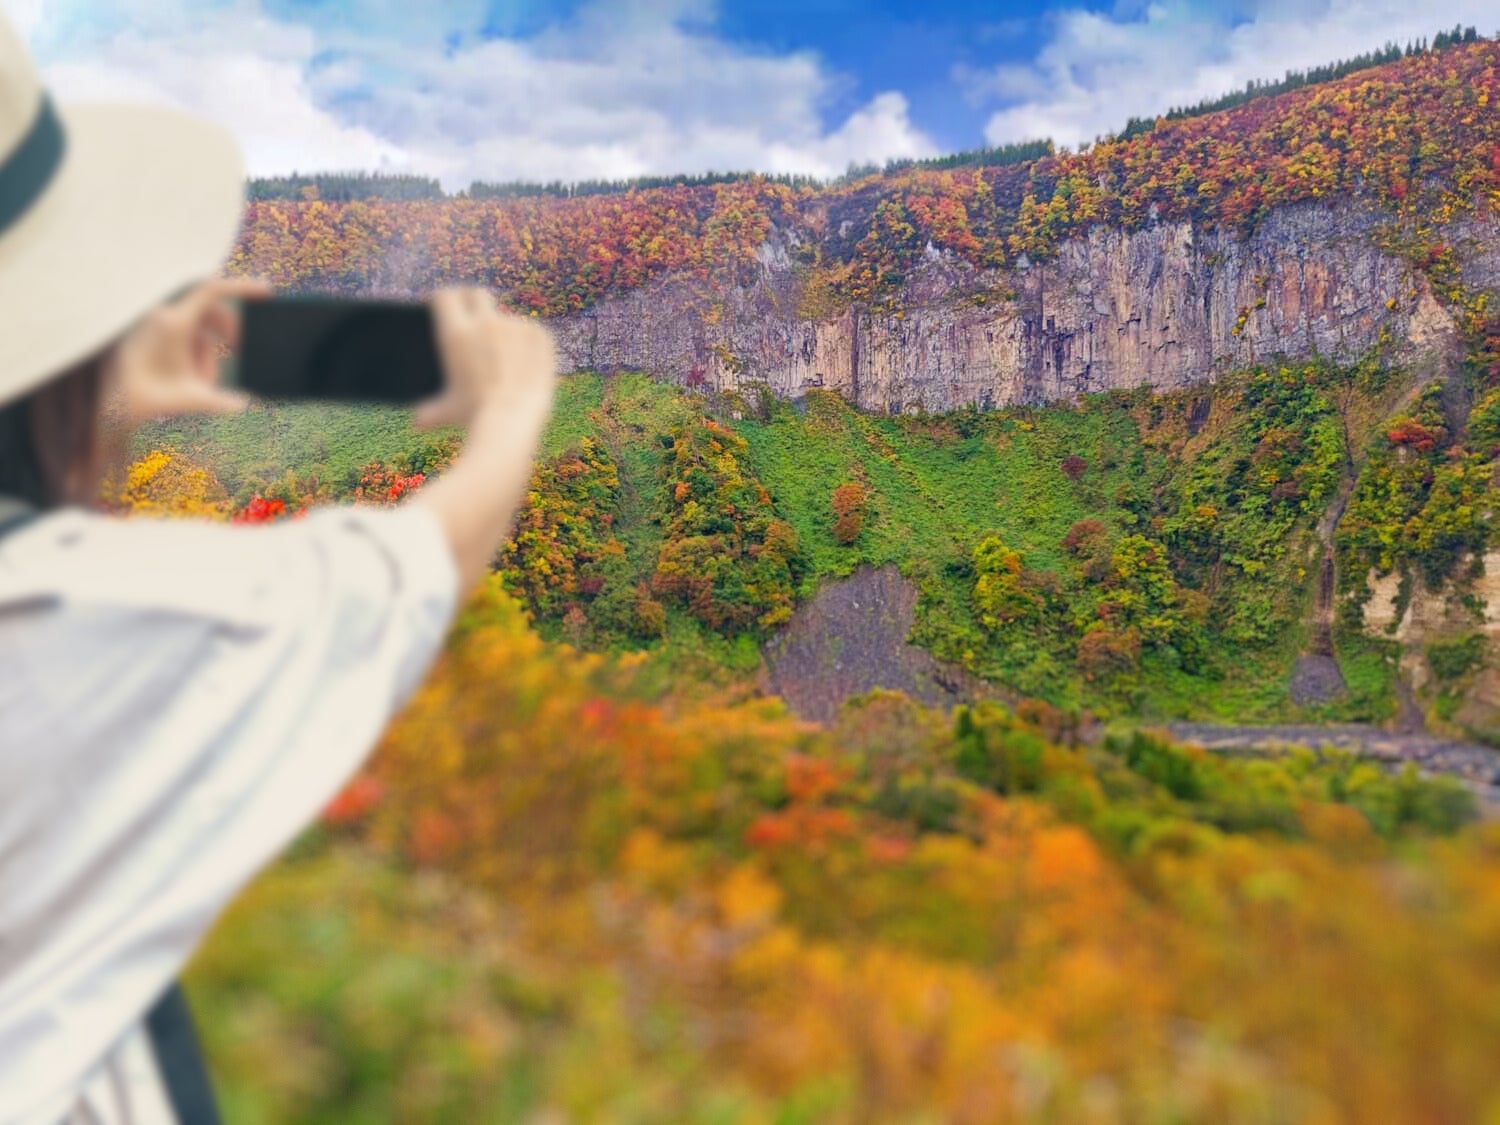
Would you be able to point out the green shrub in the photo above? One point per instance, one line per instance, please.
(1452, 659)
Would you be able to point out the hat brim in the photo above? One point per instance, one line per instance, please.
(147, 200)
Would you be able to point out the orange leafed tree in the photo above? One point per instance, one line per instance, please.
(849, 502)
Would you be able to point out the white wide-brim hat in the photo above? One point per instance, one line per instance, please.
(105, 212)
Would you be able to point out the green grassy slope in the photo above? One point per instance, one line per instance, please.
(937, 487)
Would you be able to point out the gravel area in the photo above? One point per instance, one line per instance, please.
(1476, 765)
(849, 638)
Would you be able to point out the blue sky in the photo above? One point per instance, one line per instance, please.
(900, 45)
(500, 89)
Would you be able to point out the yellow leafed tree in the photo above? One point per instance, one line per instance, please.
(168, 484)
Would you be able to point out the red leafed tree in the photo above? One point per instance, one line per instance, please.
(379, 484)
(355, 801)
(1414, 435)
(260, 510)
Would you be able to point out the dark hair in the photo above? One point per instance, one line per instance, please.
(48, 439)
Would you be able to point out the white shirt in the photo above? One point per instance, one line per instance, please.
(177, 701)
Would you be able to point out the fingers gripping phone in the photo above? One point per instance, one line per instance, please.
(336, 349)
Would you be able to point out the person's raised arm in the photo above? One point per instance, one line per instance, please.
(501, 374)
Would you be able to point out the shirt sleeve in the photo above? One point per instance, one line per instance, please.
(197, 694)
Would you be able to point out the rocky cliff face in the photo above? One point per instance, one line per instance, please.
(1429, 615)
(1165, 307)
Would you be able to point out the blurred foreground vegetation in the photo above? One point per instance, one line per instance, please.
(553, 900)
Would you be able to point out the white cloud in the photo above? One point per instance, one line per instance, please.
(621, 90)
(26, 15)
(616, 95)
(1098, 70)
(253, 80)
(882, 128)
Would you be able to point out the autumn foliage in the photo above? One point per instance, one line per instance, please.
(1074, 466)
(727, 558)
(964, 917)
(849, 506)
(1397, 136)
(666, 909)
(260, 510)
(1118, 597)
(384, 485)
(1412, 433)
(925, 913)
(562, 542)
(1425, 497)
(163, 483)
(550, 256)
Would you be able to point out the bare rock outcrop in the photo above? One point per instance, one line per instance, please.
(1425, 615)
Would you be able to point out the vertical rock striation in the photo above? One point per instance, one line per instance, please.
(1165, 307)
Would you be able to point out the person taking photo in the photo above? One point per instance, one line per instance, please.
(179, 699)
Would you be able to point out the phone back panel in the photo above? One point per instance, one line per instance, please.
(337, 349)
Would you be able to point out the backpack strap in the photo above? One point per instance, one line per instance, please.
(184, 1072)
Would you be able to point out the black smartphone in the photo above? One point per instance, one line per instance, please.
(336, 349)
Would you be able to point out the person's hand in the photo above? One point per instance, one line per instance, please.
(168, 364)
(494, 362)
